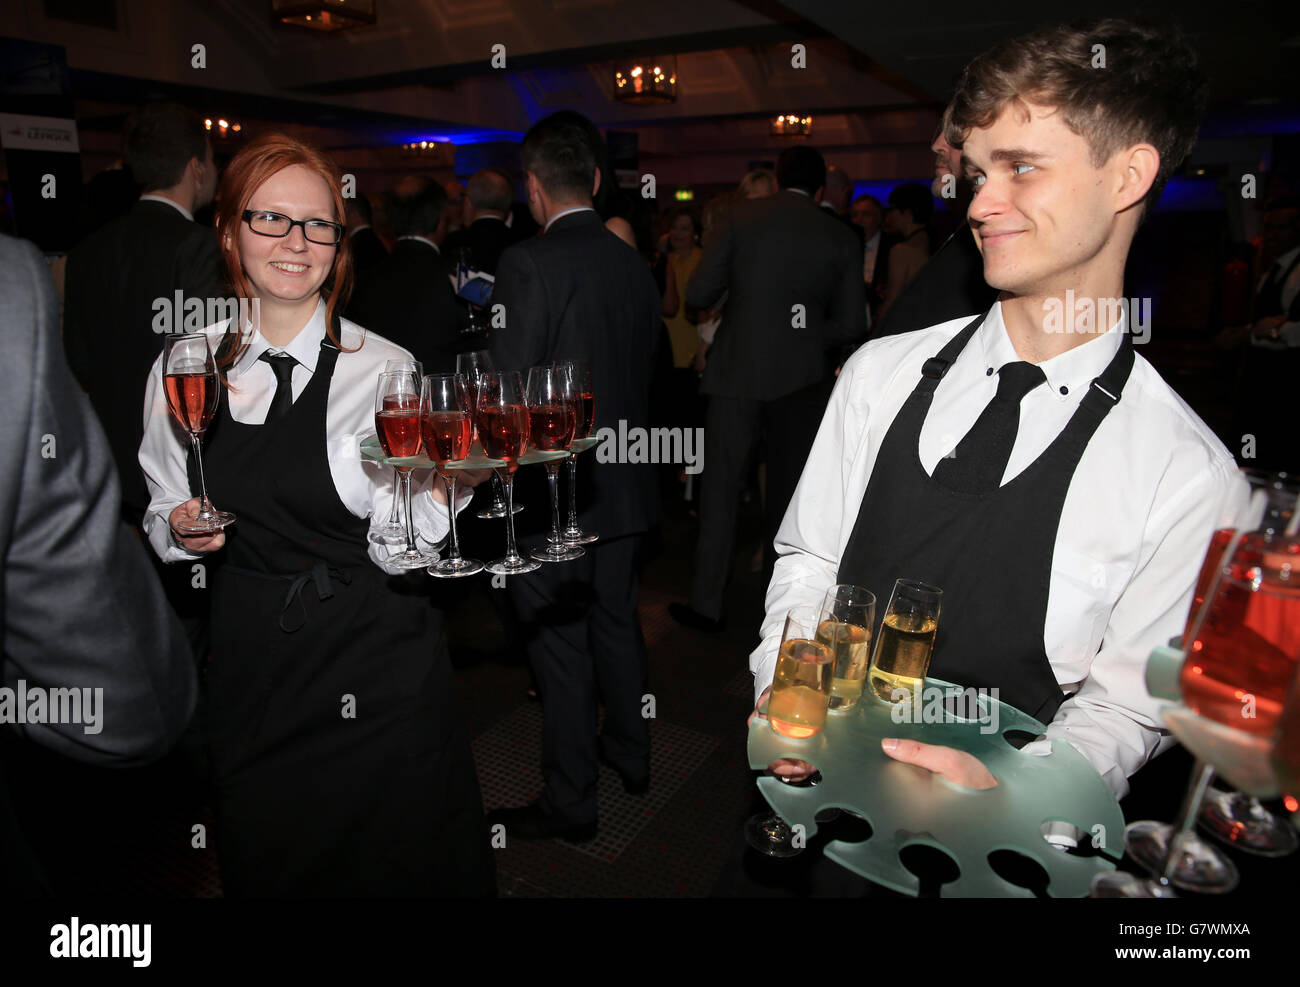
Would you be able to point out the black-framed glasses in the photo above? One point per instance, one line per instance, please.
(277, 225)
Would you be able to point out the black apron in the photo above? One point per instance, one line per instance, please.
(306, 629)
(990, 553)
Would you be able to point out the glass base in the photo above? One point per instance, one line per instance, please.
(1118, 884)
(455, 568)
(1242, 823)
(411, 560)
(769, 834)
(1201, 868)
(497, 511)
(579, 537)
(557, 553)
(209, 525)
(512, 567)
(395, 529)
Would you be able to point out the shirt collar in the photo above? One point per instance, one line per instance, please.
(150, 197)
(566, 212)
(357, 229)
(797, 191)
(874, 242)
(423, 239)
(305, 347)
(1068, 374)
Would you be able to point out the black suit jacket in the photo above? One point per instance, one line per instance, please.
(486, 238)
(950, 284)
(774, 254)
(579, 292)
(368, 251)
(114, 278)
(407, 299)
(82, 607)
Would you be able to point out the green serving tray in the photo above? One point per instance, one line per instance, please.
(906, 805)
(373, 451)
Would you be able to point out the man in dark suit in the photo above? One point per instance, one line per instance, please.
(579, 292)
(82, 610)
(127, 285)
(836, 196)
(487, 204)
(407, 298)
(363, 242)
(793, 275)
(868, 214)
(121, 281)
(951, 283)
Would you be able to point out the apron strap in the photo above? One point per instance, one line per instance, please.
(934, 369)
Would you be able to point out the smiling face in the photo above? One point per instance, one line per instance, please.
(289, 270)
(1045, 217)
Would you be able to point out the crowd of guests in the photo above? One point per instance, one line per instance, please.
(748, 318)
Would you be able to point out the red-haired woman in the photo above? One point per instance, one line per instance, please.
(340, 763)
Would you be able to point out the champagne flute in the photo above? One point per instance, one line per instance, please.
(445, 427)
(502, 418)
(1232, 817)
(847, 620)
(474, 365)
(796, 708)
(552, 416)
(397, 422)
(393, 527)
(193, 390)
(585, 404)
(1242, 652)
(906, 642)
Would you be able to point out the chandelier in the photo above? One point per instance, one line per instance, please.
(646, 80)
(220, 127)
(791, 125)
(325, 16)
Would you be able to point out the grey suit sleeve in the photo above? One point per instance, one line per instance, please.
(83, 609)
(709, 282)
(846, 320)
(521, 343)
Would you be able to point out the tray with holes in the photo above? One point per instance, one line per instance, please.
(1051, 808)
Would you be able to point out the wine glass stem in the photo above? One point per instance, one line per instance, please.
(1201, 776)
(205, 506)
(406, 503)
(449, 479)
(553, 480)
(397, 492)
(508, 481)
(498, 497)
(573, 492)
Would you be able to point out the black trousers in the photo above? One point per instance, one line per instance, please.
(732, 431)
(584, 640)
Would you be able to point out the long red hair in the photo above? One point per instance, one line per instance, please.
(246, 173)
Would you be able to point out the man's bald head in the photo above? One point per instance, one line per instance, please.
(489, 193)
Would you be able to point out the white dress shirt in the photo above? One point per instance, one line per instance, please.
(1151, 487)
(1288, 333)
(565, 212)
(150, 197)
(364, 488)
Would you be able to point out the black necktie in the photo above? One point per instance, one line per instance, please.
(283, 365)
(981, 457)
